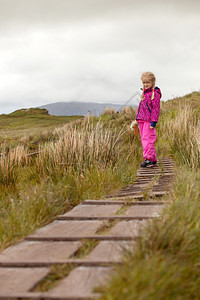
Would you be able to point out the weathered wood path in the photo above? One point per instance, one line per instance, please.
(114, 223)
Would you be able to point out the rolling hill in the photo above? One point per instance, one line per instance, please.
(77, 108)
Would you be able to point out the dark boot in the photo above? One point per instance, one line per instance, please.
(147, 164)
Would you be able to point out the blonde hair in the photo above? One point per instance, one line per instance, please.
(151, 77)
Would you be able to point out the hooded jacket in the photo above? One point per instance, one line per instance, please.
(149, 110)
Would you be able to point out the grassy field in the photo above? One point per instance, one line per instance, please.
(29, 127)
(89, 157)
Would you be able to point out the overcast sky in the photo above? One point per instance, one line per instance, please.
(95, 50)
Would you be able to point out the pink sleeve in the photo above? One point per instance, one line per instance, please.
(156, 107)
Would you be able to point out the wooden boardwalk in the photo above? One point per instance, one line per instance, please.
(114, 224)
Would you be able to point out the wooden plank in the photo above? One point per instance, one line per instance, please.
(137, 185)
(77, 238)
(168, 166)
(140, 185)
(165, 178)
(164, 185)
(109, 251)
(165, 171)
(113, 197)
(143, 180)
(75, 262)
(127, 191)
(149, 172)
(127, 228)
(116, 217)
(122, 195)
(14, 280)
(144, 211)
(157, 194)
(68, 229)
(161, 187)
(150, 175)
(81, 283)
(39, 252)
(153, 169)
(20, 295)
(93, 210)
(136, 188)
(164, 181)
(122, 202)
(139, 196)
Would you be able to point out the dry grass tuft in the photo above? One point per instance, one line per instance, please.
(110, 111)
(81, 148)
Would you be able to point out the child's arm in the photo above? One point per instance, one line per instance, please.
(156, 108)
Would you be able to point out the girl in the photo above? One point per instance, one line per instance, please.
(147, 116)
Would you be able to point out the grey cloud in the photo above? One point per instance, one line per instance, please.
(13, 12)
(49, 54)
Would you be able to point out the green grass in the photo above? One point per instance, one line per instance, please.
(165, 262)
(85, 249)
(56, 274)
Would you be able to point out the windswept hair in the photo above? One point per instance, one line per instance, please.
(151, 77)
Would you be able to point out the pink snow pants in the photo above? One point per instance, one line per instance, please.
(148, 138)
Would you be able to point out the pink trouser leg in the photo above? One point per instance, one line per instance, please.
(148, 138)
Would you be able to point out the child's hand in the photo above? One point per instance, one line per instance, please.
(133, 124)
(153, 125)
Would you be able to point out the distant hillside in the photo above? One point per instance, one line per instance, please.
(29, 124)
(77, 108)
(193, 99)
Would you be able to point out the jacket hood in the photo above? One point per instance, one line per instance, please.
(151, 89)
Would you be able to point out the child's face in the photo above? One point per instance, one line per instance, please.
(146, 83)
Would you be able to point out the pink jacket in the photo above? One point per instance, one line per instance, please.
(149, 110)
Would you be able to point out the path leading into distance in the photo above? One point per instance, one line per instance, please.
(112, 225)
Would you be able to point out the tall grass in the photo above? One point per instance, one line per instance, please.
(29, 207)
(110, 111)
(80, 149)
(9, 163)
(128, 112)
(180, 129)
(184, 135)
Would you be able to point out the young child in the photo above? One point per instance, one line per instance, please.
(147, 116)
